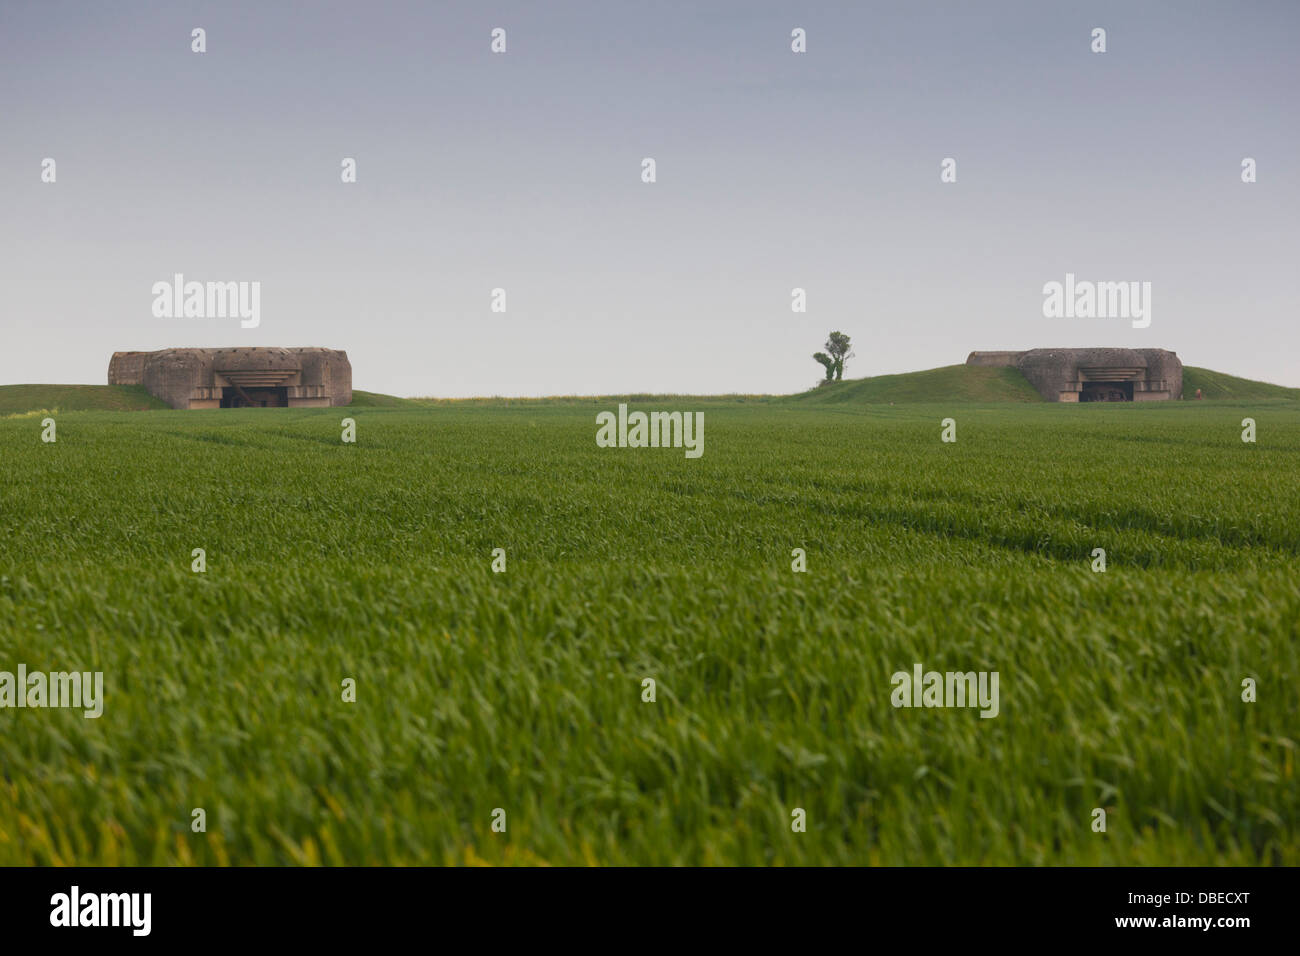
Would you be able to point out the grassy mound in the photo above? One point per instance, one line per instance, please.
(962, 383)
(20, 399)
(1220, 385)
(362, 399)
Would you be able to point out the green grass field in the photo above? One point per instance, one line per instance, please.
(523, 690)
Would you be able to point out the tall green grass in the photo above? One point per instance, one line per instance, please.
(522, 690)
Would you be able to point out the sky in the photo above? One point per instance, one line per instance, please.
(522, 171)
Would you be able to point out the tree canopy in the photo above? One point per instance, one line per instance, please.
(840, 350)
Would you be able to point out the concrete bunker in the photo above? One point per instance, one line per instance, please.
(1094, 375)
(238, 377)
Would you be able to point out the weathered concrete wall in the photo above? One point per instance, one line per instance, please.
(1166, 365)
(254, 360)
(126, 368)
(329, 369)
(173, 374)
(1053, 371)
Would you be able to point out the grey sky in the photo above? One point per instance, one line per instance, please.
(522, 171)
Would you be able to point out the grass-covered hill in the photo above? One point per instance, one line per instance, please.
(20, 399)
(971, 383)
(962, 383)
(1219, 385)
(362, 399)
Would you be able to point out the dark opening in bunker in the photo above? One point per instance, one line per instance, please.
(235, 397)
(1106, 392)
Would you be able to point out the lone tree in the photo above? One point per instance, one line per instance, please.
(840, 349)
